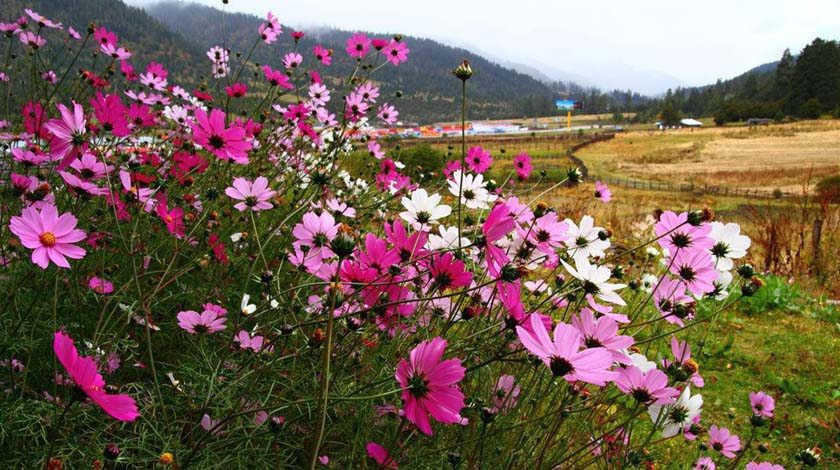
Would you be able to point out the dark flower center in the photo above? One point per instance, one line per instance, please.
(680, 240)
(469, 194)
(678, 414)
(641, 395)
(418, 386)
(216, 141)
(560, 366)
(687, 273)
(423, 217)
(543, 236)
(250, 201)
(720, 250)
(581, 241)
(200, 328)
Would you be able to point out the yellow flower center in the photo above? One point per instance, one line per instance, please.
(47, 239)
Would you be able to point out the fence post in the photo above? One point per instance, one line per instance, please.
(816, 237)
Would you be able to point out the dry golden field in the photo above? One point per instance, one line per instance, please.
(783, 156)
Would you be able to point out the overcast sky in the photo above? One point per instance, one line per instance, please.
(696, 42)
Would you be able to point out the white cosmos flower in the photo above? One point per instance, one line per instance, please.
(473, 194)
(422, 209)
(677, 416)
(648, 282)
(721, 284)
(595, 279)
(639, 360)
(446, 240)
(247, 308)
(582, 240)
(729, 244)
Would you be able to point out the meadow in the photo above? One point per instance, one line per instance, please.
(190, 287)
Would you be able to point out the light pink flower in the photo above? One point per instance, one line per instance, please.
(762, 404)
(67, 134)
(721, 440)
(197, 323)
(50, 236)
(563, 355)
(254, 196)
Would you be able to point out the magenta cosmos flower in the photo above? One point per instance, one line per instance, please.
(478, 160)
(85, 375)
(210, 132)
(208, 321)
(380, 455)
(254, 196)
(50, 235)
(100, 286)
(704, 463)
(358, 45)
(762, 404)
(563, 355)
(431, 385)
(446, 272)
(67, 134)
(522, 165)
(721, 440)
(649, 387)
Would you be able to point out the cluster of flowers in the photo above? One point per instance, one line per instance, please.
(348, 271)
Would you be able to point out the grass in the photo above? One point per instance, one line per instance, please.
(783, 156)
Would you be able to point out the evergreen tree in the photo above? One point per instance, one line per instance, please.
(817, 76)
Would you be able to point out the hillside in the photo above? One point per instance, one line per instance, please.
(429, 90)
(143, 35)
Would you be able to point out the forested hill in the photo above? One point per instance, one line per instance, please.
(147, 38)
(429, 89)
(802, 85)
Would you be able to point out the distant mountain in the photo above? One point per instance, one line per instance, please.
(430, 92)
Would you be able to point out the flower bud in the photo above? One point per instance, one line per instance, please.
(463, 71)
(111, 452)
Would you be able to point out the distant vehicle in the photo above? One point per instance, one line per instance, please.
(758, 121)
(688, 122)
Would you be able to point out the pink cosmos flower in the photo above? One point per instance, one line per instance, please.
(226, 143)
(522, 164)
(697, 269)
(246, 341)
(277, 78)
(505, 393)
(103, 36)
(380, 455)
(387, 113)
(173, 218)
(254, 196)
(679, 368)
(100, 286)
(547, 233)
(355, 107)
(763, 466)
(676, 232)
(196, 323)
(762, 404)
(602, 192)
(81, 187)
(446, 272)
(50, 236)
(602, 333)
(119, 53)
(155, 76)
(431, 385)
(292, 60)
(73, 33)
(358, 45)
(237, 90)
(721, 440)
(85, 375)
(32, 40)
(478, 160)
(323, 55)
(704, 463)
(672, 301)
(67, 134)
(648, 388)
(49, 76)
(396, 52)
(563, 355)
(316, 230)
